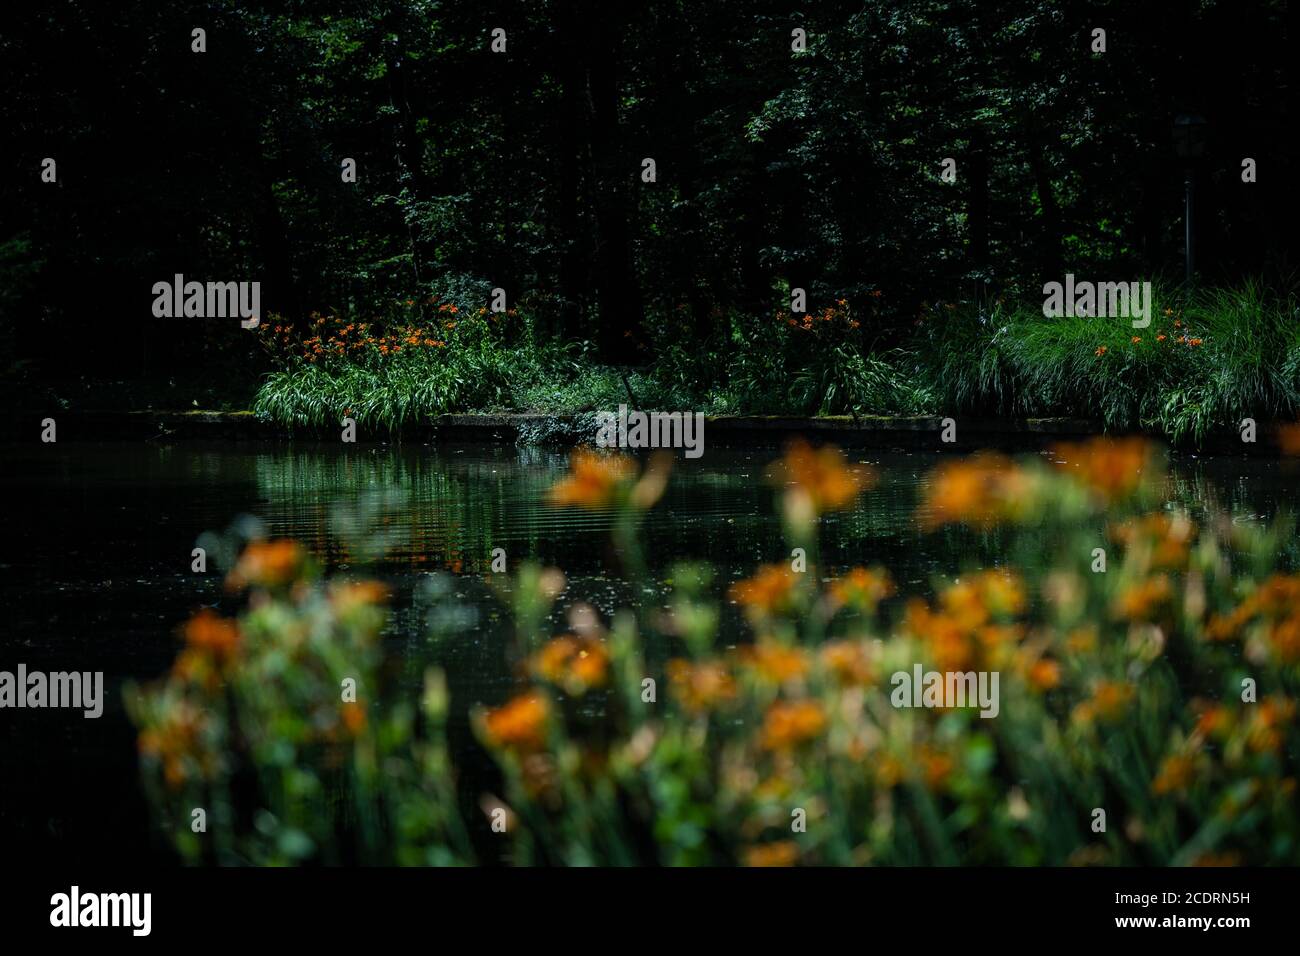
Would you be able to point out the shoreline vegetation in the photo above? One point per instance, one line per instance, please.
(1210, 358)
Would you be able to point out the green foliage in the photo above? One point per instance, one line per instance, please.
(819, 367)
(390, 373)
(1210, 358)
(776, 169)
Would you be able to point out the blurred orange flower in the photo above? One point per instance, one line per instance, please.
(822, 474)
(354, 718)
(572, 662)
(776, 662)
(770, 591)
(596, 480)
(699, 687)
(267, 564)
(976, 598)
(1269, 723)
(780, 853)
(349, 594)
(1213, 720)
(593, 479)
(1044, 674)
(981, 490)
(1169, 538)
(212, 635)
(1108, 702)
(1284, 636)
(786, 724)
(1176, 773)
(175, 742)
(850, 662)
(936, 766)
(862, 588)
(1144, 600)
(519, 724)
(1111, 467)
(950, 644)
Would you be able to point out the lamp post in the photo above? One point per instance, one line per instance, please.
(1189, 144)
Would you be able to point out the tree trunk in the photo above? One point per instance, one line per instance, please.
(1051, 243)
(613, 172)
(977, 209)
(572, 274)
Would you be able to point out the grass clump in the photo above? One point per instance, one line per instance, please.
(410, 368)
(1209, 358)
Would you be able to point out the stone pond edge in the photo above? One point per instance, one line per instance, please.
(907, 431)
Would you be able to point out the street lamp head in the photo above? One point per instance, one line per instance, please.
(1189, 136)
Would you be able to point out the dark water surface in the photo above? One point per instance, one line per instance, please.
(95, 571)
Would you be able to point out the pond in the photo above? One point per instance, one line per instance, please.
(95, 572)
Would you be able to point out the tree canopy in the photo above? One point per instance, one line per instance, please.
(523, 169)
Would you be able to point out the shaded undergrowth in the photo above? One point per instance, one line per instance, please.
(1209, 358)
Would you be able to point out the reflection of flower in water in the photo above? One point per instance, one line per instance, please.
(1288, 438)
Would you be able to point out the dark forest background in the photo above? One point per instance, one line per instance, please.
(523, 170)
